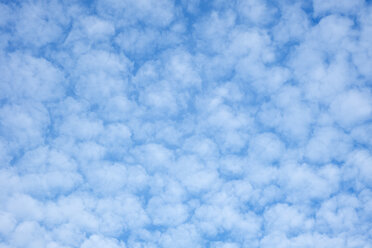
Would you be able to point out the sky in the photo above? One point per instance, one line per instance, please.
(186, 123)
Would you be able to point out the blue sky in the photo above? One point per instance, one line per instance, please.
(160, 123)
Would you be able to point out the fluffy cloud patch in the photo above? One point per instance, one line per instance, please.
(162, 123)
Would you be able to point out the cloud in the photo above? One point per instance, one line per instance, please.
(162, 123)
(341, 7)
(157, 13)
(28, 77)
(40, 23)
(355, 106)
(98, 241)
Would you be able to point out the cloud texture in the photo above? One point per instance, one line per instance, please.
(161, 123)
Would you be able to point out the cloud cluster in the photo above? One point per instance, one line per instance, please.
(161, 123)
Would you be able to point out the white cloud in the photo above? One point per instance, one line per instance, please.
(338, 214)
(352, 107)
(257, 12)
(266, 147)
(288, 113)
(341, 7)
(8, 223)
(6, 14)
(358, 167)
(293, 24)
(224, 245)
(138, 42)
(182, 236)
(166, 214)
(99, 241)
(81, 128)
(185, 124)
(304, 183)
(23, 126)
(157, 13)
(40, 23)
(97, 28)
(328, 144)
(100, 74)
(287, 219)
(30, 234)
(28, 77)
